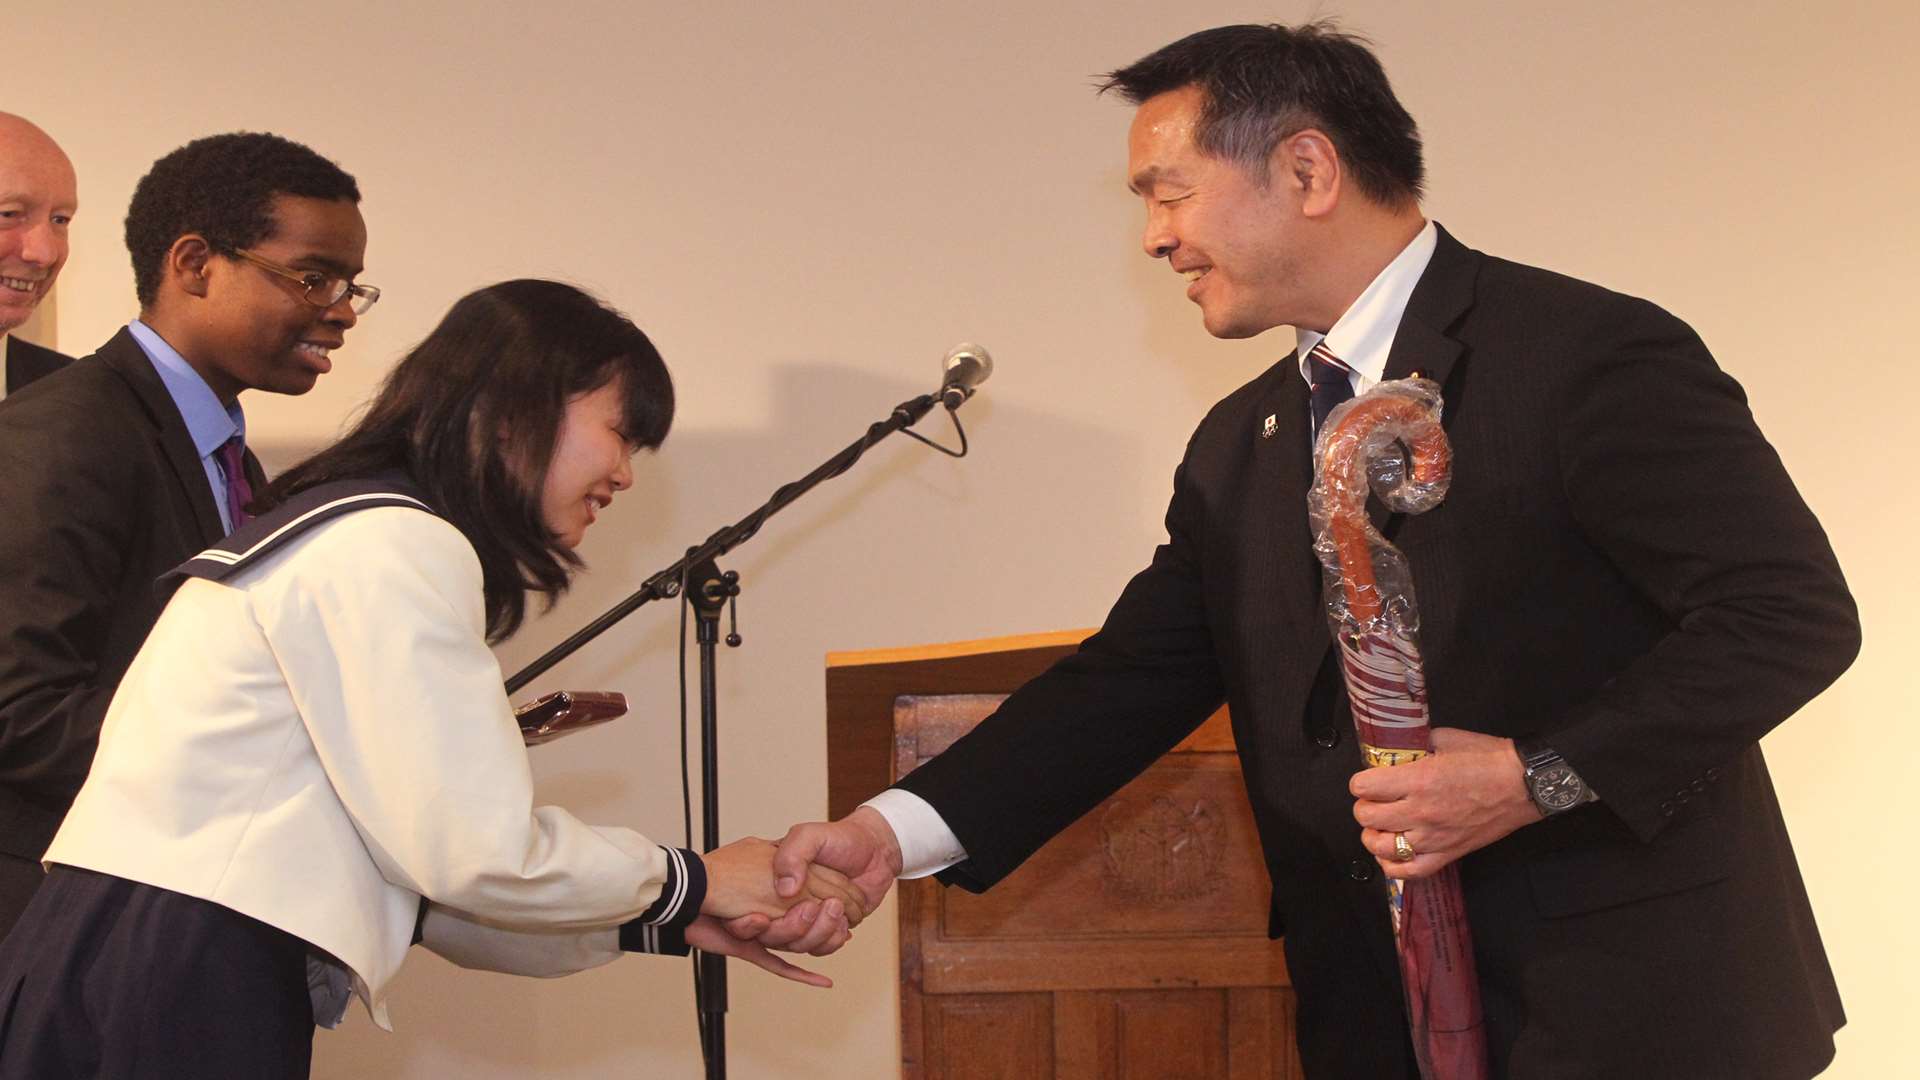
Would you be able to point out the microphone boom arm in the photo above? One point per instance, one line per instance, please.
(665, 583)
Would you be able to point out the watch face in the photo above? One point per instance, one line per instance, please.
(1557, 788)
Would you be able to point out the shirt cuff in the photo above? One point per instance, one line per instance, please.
(927, 845)
(662, 928)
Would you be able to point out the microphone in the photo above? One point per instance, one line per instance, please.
(967, 366)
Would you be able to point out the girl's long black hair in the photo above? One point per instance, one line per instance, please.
(472, 412)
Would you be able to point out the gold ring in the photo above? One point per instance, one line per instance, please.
(1402, 849)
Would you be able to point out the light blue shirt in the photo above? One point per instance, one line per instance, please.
(209, 423)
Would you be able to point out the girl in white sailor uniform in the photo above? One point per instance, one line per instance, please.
(312, 763)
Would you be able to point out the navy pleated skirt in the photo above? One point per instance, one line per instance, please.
(108, 978)
(19, 880)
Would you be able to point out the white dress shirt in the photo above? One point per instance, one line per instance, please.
(1362, 338)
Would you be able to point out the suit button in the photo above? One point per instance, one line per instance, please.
(1666, 809)
(1360, 869)
(1713, 774)
(1681, 796)
(1326, 737)
(1699, 787)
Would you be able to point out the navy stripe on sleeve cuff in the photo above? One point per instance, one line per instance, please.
(662, 927)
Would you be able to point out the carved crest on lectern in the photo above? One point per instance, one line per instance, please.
(1165, 850)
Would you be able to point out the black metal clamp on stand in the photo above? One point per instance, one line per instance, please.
(709, 590)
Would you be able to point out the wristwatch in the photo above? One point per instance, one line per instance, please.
(1551, 783)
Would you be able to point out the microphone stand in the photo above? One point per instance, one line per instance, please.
(708, 590)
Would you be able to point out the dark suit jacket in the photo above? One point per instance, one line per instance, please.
(1621, 565)
(27, 362)
(103, 493)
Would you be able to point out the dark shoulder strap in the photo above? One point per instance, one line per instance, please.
(264, 535)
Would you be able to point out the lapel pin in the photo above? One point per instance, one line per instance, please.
(1272, 425)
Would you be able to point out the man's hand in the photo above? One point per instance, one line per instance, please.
(861, 846)
(1465, 795)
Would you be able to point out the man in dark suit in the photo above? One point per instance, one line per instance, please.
(38, 198)
(123, 464)
(1621, 593)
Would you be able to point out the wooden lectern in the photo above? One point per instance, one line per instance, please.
(1132, 946)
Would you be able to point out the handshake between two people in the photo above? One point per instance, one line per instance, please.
(804, 895)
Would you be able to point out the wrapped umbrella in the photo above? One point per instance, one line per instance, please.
(1389, 441)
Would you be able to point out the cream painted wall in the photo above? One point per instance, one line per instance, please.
(805, 204)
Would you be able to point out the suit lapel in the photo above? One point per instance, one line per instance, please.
(1284, 466)
(124, 355)
(1285, 461)
(1422, 344)
(1444, 293)
(1288, 454)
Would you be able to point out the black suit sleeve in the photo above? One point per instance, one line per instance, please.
(1092, 722)
(72, 514)
(1671, 479)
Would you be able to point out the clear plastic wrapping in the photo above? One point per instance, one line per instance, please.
(1389, 442)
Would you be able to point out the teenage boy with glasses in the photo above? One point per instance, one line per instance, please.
(124, 464)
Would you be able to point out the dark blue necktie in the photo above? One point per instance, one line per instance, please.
(1331, 383)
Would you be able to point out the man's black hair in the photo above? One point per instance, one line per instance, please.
(1266, 83)
(222, 188)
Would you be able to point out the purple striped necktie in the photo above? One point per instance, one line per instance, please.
(239, 492)
(1331, 381)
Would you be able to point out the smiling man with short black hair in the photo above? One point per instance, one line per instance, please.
(1620, 595)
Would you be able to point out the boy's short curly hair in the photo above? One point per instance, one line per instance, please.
(222, 188)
